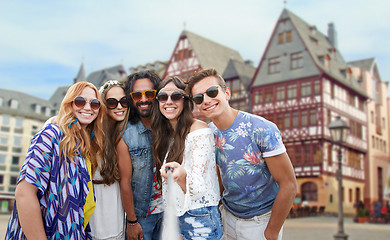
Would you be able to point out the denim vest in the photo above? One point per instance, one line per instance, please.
(139, 141)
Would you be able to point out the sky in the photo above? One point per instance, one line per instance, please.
(43, 43)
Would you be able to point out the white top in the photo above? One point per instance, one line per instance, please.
(202, 180)
(108, 218)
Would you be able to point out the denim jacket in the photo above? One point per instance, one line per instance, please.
(139, 141)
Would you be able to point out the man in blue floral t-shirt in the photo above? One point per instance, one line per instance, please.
(257, 175)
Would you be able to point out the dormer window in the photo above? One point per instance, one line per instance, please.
(1, 101)
(14, 104)
(37, 109)
(347, 73)
(313, 29)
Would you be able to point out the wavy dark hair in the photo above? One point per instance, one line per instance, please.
(162, 129)
(109, 169)
(129, 84)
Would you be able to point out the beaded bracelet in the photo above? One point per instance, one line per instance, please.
(132, 223)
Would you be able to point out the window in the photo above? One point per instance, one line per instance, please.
(309, 191)
(350, 195)
(235, 86)
(6, 120)
(280, 92)
(292, 91)
(1, 179)
(273, 65)
(13, 103)
(280, 120)
(295, 119)
(330, 158)
(13, 180)
(313, 117)
(2, 159)
(287, 120)
(288, 36)
(307, 155)
(305, 89)
(1, 101)
(332, 88)
(183, 54)
(4, 141)
(281, 38)
(372, 117)
(298, 155)
(258, 97)
(17, 141)
(304, 118)
(15, 160)
(317, 87)
(296, 60)
(268, 95)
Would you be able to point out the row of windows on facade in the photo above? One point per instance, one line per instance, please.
(379, 144)
(5, 126)
(312, 155)
(302, 89)
(36, 108)
(309, 192)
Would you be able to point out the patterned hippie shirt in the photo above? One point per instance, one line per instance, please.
(62, 188)
(249, 188)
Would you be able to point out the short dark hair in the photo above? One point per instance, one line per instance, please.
(129, 85)
(204, 73)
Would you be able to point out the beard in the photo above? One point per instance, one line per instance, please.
(144, 113)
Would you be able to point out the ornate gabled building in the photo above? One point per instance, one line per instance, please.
(302, 83)
(193, 52)
(21, 116)
(378, 165)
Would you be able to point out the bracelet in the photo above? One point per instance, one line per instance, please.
(132, 223)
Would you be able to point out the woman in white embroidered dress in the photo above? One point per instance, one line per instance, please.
(108, 219)
(186, 145)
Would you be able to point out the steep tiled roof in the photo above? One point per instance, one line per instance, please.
(318, 46)
(364, 64)
(241, 70)
(57, 96)
(27, 105)
(210, 53)
(98, 78)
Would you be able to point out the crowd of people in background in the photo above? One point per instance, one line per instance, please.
(99, 169)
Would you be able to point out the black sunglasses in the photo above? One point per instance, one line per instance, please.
(211, 92)
(162, 97)
(149, 94)
(80, 102)
(112, 103)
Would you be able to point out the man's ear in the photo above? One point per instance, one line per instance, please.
(228, 93)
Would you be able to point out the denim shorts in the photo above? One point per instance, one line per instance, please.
(201, 223)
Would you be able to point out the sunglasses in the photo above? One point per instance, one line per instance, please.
(112, 103)
(80, 102)
(162, 97)
(149, 94)
(211, 92)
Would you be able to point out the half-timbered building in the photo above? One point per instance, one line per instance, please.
(302, 83)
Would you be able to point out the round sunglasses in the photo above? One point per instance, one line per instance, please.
(162, 97)
(112, 103)
(80, 102)
(137, 95)
(211, 92)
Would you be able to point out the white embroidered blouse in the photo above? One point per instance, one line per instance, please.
(202, 180)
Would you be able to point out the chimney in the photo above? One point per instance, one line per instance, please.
(332, 35)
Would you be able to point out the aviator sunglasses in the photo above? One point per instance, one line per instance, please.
(162, 97)
(149, 94)
(80, 102)
(211, 92)
(112, 103)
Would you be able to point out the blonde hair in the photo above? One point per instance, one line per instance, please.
(85, 141)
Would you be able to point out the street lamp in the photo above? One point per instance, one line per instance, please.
(339, 131)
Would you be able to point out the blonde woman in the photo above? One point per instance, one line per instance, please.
(108, 219)
(54, 196)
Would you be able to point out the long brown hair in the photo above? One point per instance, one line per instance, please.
(113, 130)
(85, 141)
(163, 131)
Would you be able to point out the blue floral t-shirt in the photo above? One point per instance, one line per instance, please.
(249, 188)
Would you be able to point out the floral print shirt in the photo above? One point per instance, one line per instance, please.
(249, 188)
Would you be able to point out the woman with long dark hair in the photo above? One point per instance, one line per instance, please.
(186, 145)
(108, 219)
